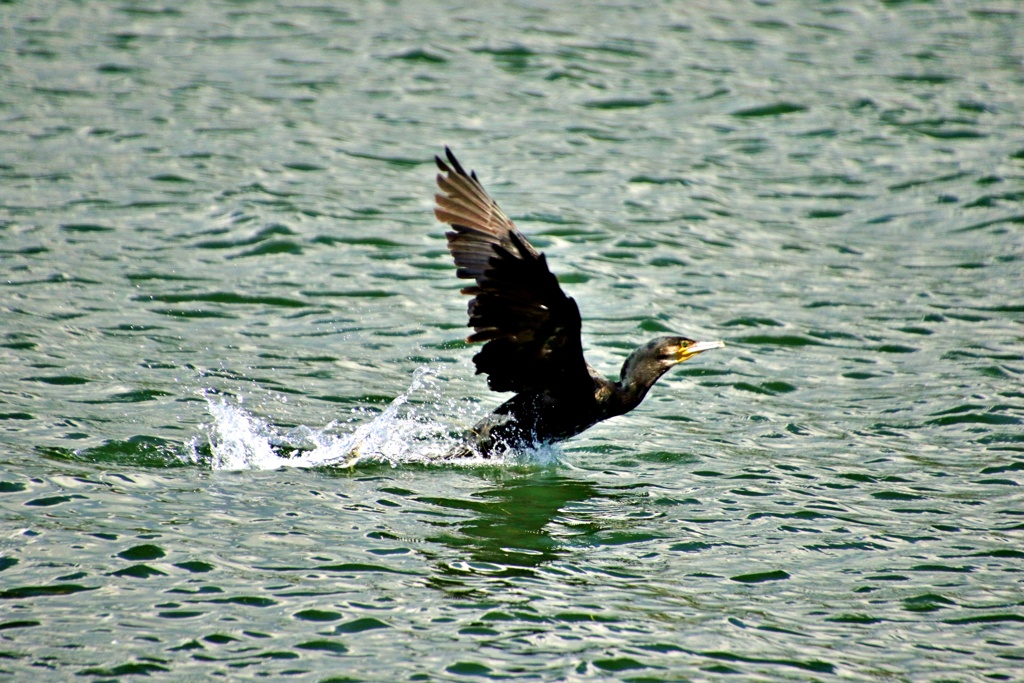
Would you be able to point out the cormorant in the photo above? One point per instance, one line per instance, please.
(531, 330)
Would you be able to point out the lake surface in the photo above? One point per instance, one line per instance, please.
(216, 234)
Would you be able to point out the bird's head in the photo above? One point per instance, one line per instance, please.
(652, 360)
(669, 351)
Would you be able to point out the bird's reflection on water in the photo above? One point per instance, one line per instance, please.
(513, 529)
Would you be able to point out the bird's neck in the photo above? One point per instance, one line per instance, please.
(631, 391)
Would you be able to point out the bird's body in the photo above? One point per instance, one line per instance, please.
(532, 330)
(543, 416)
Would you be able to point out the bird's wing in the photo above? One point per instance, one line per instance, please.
(531, 328)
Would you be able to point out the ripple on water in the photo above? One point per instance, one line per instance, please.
(237, 196)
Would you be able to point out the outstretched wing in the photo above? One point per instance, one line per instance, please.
(531, 328)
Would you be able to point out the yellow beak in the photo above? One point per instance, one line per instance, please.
(687, 352)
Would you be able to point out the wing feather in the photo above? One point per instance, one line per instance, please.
(530, 328)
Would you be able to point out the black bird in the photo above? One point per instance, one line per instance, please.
(532, 330)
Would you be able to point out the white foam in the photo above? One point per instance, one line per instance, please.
(402, 433)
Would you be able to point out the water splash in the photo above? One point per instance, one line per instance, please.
(402, 433)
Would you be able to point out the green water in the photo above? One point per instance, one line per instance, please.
(216, 232)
